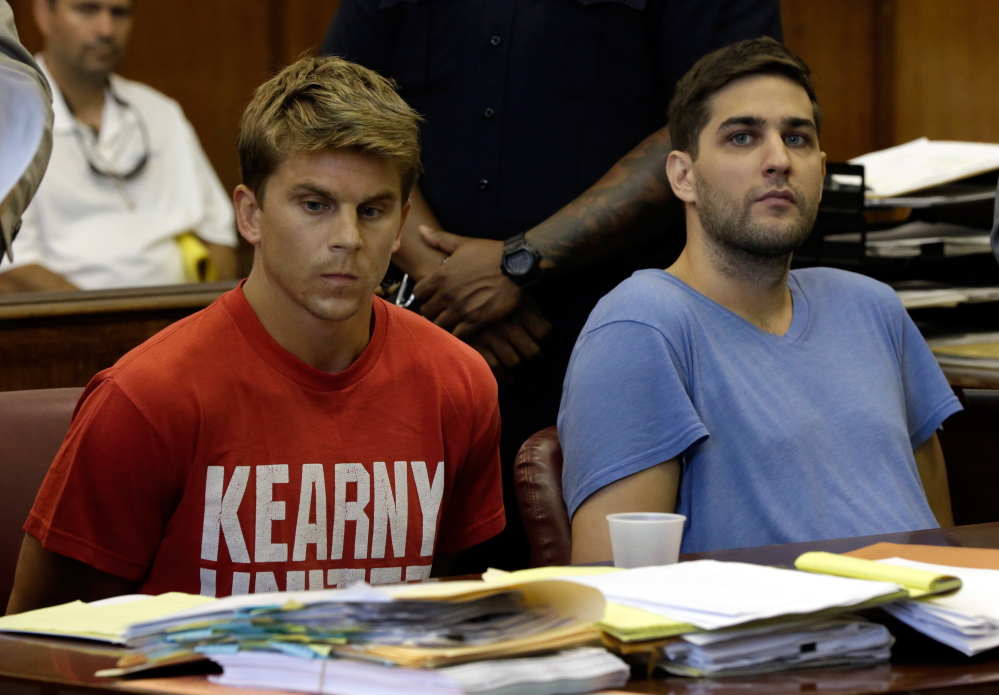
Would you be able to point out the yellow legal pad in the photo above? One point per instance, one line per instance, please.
(104, 621)
(918, 583)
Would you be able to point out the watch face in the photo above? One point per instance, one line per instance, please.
(519, 262)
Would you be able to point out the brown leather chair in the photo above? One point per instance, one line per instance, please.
(537, 475)
(32, 427)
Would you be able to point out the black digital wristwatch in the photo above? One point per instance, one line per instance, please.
(521, 261)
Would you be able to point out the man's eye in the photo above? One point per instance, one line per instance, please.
(742, 138)
(795, 139)
(370, 212)
(314, 206)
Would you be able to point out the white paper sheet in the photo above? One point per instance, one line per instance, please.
(713, 595)
(923, 163)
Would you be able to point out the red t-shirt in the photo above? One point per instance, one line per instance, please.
(209, 459)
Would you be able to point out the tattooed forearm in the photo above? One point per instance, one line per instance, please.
(627, 206)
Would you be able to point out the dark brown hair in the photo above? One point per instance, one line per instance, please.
(321, 104)
(689, 110)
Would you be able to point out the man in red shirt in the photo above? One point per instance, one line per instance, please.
(299, 433)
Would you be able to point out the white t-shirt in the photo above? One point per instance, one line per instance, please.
(101, 232)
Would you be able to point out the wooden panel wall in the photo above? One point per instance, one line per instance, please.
(947, 63)
(836, 39)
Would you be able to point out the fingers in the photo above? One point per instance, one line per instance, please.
(502, 348)
(534, 323)
(439, 239)
(499, 371)
(510, 343)
(520, 340)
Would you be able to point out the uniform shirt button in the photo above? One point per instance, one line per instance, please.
(495, 40)
(483, 184)
(489, 112)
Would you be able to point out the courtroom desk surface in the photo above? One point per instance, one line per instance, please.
(61, 339)
(48, 666)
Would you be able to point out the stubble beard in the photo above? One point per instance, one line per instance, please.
(752, 250)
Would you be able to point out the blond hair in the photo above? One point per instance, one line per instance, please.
(321, 104)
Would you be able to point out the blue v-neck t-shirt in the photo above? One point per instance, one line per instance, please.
(803, 436)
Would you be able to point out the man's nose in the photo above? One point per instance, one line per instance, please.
(104, 24)
(346, 232)
(777, 160)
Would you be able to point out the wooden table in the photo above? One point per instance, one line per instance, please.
(41, 666)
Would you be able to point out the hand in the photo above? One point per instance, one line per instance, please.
(468, 291)
(507, 345)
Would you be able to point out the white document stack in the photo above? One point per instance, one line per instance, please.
(713, 595)
(582, 670)
(779, 648)
(967, 620)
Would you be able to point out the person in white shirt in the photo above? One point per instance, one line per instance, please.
(127, 176)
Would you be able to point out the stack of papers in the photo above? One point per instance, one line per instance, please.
(967, 620)
(973, 350)
(623, 624)
(910, 239)
(416, 626)
(924, 163)
(574, 671)
(713, 595)
(946, 296)
(779, 648)
(103, 621)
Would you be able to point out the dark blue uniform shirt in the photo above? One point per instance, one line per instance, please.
(529, 102)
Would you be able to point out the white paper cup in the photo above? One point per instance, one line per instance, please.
(641, 539)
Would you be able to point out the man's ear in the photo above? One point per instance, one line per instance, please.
(823, 175)
(680, 172)
(402, 223)
(247, 214)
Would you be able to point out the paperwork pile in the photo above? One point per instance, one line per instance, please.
(967, 620)
(712, 595)
(923, 163)
(581, 670)
(102, 621)
(723, 618)
(779, 648)
(377, 640)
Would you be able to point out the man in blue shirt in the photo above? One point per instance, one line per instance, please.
(766, 406)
